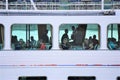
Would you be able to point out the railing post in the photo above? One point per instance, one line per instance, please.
(32, 2)
(6, 5)
(102, 5)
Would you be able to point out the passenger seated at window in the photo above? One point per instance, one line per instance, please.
(28, 44)
(112, 43)
(22, 44)
(65, 35)
(41, 45)
(33, 43)
(88, 44)
(15, 44)
(95, 42)
(14, 39)
(65, 45)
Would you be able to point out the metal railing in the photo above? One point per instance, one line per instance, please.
(70, 5)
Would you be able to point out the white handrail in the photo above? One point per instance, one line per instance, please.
(57, 6)
(6, 4)
(33, 4)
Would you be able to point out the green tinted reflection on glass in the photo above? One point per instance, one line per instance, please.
(79, 36)
(31, 36)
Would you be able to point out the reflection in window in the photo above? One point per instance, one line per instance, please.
(113, 37)
(31, 37)
(1, 36)
(79, 36)
(81, 78)
(32, 78)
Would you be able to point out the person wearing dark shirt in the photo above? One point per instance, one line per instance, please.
(73, 33)
(95, 41)
(33, 42)
(65, 45)
(65, 35)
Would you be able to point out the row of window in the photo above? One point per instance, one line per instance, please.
(69, 78)
(71, 36)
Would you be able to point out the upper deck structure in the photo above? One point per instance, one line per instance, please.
(59, 7)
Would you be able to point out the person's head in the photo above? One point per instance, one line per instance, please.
(94, 36)
(90, 37)
(73, 28)
(21, 40)
(15, 37)
(66, 31)
(32, 38)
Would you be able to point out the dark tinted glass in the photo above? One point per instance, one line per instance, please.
(81, 78)
(32, 78)
(118, 78)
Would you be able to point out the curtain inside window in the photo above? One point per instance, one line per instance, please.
(41, 29)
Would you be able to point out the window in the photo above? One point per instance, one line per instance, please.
(113, 41)
(79, 36)
(1, 36)
(118, 78)
(32, 78)
(81, 78)
(31, 36)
